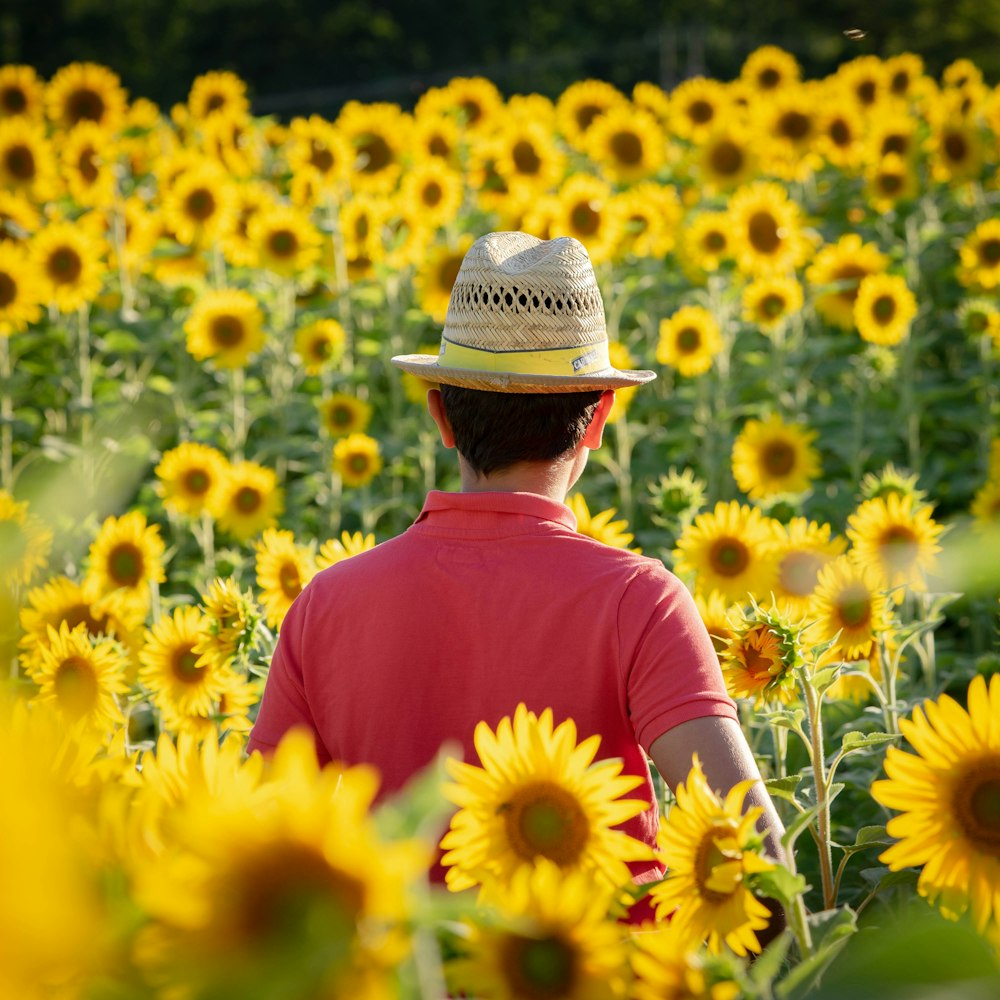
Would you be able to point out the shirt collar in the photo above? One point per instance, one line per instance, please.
(525, 504)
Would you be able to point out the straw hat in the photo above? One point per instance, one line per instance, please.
(525, 315)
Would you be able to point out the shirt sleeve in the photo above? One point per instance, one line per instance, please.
(671, 669)
(284, 705)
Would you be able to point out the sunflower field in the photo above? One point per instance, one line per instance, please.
(198, 414)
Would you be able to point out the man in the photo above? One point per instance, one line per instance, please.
(491, 597)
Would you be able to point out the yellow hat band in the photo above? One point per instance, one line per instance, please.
(556, 361)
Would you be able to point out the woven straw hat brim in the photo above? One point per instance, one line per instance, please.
(425, 366)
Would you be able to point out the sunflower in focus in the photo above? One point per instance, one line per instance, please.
(771, 458)
(539, 794)
(20, 290)
(25, 542)
(836, 273)
(335, 550)
(21, 92)
(436, 278)
(226, 325)
(553, 939)
(27, 163)
(585, 211)
(704, 244)
(126, 558)
(68, 264)
(600, 526)
(357, 459)
(581, 104)
(248, 501)
(628, 143)
(283, 569)
(689, 340)
(762, 657)
(946, 794)
(230, 618)
(286, 241)
(320, 344)
(341, 415)
(712, 850)
(802, 549)
(768, 302)
(884, 309)
(729, 549)
(217, 94)
(767, 230)
(379, 134)
(979, 256)
(896, 538)
(696, 106)
(187, 475)
(84, 91)
(81, 677)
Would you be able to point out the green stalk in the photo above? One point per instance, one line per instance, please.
(813, 702)
(238, 384)
(6, 417)
(623, 441)
(342, 284)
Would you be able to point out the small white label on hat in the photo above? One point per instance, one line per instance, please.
(584, 359)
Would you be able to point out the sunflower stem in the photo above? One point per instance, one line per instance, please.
(206, 539)
(342, 283)
(118, 234)
(623, 441)
(86, 399)
(814, 707)
(6, 416)
(335, 497)
(239, 412)
(427, 457)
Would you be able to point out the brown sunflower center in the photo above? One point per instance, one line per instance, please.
(526, 159)
(340, 416)
(626, 147)
(884, 309)
(13, 99)
(359, 463)
(890, 182)
(854, 606)
(797, 573)
(544, 819)
(8, 290)
(125, 564)
(64, 266)
(197, 482)
(283, 243)
(439, 147)
(900, 82)
(867, 91)
(215, 102)
(728, 556)
(227, 331)
(768, 78)
(707, 858)
(989, 252)
(448, 272)
(248, 500)
(852, 273)
(977, 804)
(75, 685)
(586, 113)
(82, 614)
(289, 580)
(320, 348)
(200, 204)
(761, 655)
(899, 548)
(727, 158)
(773, 305)
(584, 219)
(86, 163)
(714, 241)
(777, 458)
(956, 147)
(185, 666)
(472, 110)
(898, 143)
(539, 968)
(375, 154)
(763, 232)
(701, 112)
(688, 340)
(431, 194)
(20, 162)
(794, 125)
(840, 132)
(320, 157)
(85, 104)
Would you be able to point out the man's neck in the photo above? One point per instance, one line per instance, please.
(547, 479)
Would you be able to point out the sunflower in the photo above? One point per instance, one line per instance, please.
(896, 538)
(25, 542)
(68, 263)
(956, 151)
(234, 142)
(762, 657)
(840, 130)
(787, 124)
(627, 143)
(320, 344)
(667, 966)
(335, 550)
(840, 268)
(889, 480)
(187, 475)
(891, 131)
(771, 458)
(357, 459)
(802, 549)
(902, 73)
(225, 325)
(283, 569)
(406, 234)
(88, 161)
(979, 256)
(704, 244)
(767, 230)
(729, 549)
(249, 198)
(718, 615)
(415, 388)
(727, 157)
(436, 278)
(580, 104)
(696, 106)
(84, 91)
(864, 78)
(985, 506)
(946, 794)
(379, 134)
(884, 309)
(890, 180)
(585, 211)
(230, 620)
(552, 939)
(286, 241)
(676, 497)
(475, 102)
(689, 339)
(435, 191)
(539, 795)
(849, 606)
(527, 157)
(125, 558)
(81, 677)
(600, 526)
(200, 205)
(341, 415)
(622, 359)
(770, 69)
(249, 500)
(653, 99)
(18, 218)
(436, 136)
(650, 215)
(712, 850)
(316, 144)
(27, 165)
(768, 302)
(20, 290)
(21, 92)
(361, 219)
(217, 94)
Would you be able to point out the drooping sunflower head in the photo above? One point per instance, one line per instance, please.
(601, 527)
(25, 541)
(217, 94)
(357, 459)
(689, 340)
(319, 344)
(249, 501)
(187, 475)
(227, 326)
(771, 458)
(283, 569)
(763, 657)
(84, 91)
(126, 556)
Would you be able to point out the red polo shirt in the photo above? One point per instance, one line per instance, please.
(490, 599)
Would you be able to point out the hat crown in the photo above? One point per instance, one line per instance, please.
(517, 292)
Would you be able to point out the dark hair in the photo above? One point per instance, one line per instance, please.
(495, 430)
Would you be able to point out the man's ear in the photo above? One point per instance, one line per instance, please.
(435, 407)
(595, 429)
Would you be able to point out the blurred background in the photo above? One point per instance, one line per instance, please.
(310, 56)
